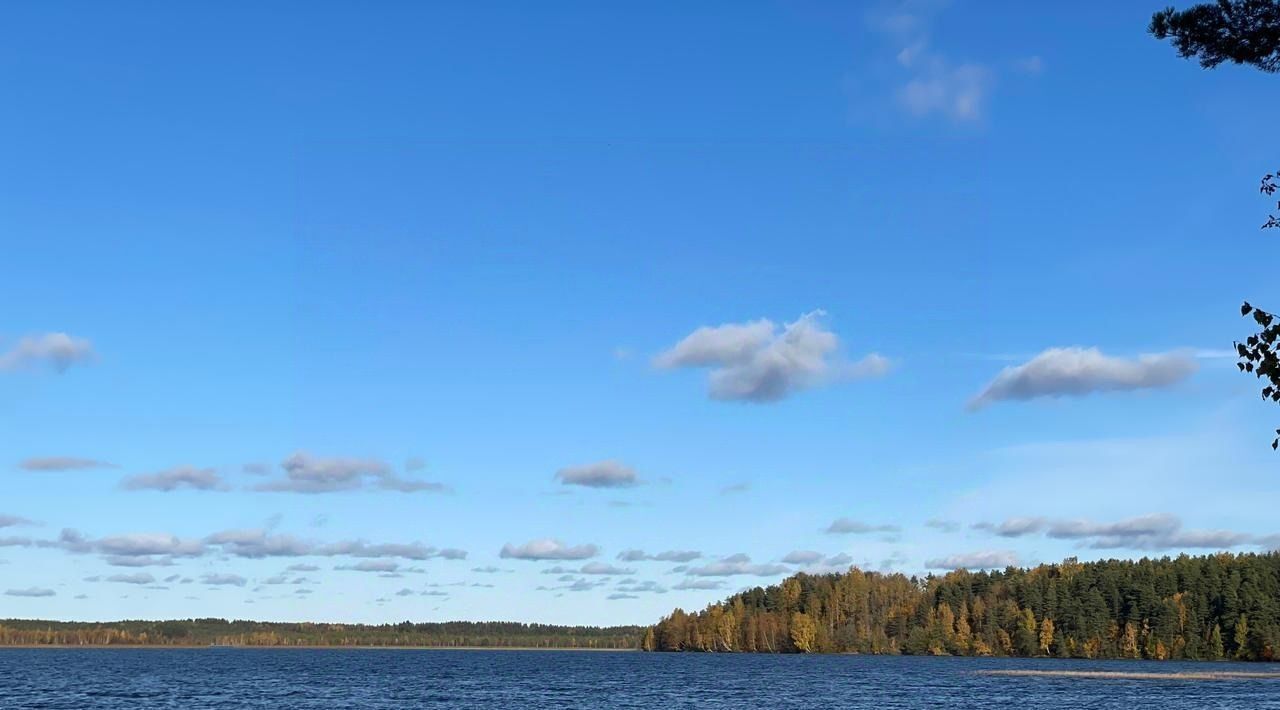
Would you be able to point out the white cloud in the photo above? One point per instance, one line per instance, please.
(1157, 532)
(604, 568)
(57, 351)
(958, 92)
(257, 543)
(305, 473)
(139, 578)
(699, 584)
(1078, 371)
(636, 587)
(995, 559)
(802, 557)
(548, 549)
(1013, 527)
(30, 592)
(739, 564)
(12, 520)
(759, 361)
(200, 479)
(371, 566)
(848, 526)
(928, 82)
(604, 474)
(1029, 65)
(134, 545)
(222, 579)
(942, 525)
(61, 463)
(667, 556)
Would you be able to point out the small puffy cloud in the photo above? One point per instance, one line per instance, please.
(667, 556)
(56, 351)
(803, 557)
(636, 587)
(818, 563)
(61, 463)
(488, 569)
(699, 584)
(1076, 371)
(994, 559)
(735, 488)
(1156, 532)
(305, 473)
(257, 543)
(739, 564)
(1029, 65)
(848, 526)
(7, 521)
(1156, 524)
(604, 568)
(371, 566)
(1013, 527)
(189, 477)
(302, 568)
(30, 592)
(605, 474)
(946, 526)
(142, 561)
(548, 549)
(929, 82)
(957, 91)
(222, 580)
(139, 578)
(759, 361)
(133, 545)
(410, 485)
(256, 469)
(620, 595)
(893, 561)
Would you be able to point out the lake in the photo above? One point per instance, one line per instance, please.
(286, 679)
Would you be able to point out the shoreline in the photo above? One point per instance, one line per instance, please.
(1133, 675)
(232, 647)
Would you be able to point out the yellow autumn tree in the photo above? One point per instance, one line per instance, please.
(803, 632)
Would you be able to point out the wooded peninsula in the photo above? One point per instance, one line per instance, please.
(1222, 606)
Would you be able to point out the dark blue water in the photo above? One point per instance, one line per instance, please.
(289, 679)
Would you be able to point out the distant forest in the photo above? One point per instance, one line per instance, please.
(1220, 606)
(205, 632)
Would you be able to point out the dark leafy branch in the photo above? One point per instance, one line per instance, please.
(1258, 353)
(1237, 31)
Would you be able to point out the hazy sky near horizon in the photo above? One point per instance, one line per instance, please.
(578, 312)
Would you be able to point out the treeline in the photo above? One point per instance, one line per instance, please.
(1221, 606)
(205, 632)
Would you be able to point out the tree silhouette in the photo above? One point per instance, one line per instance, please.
(1237, 31)
(1241, 32)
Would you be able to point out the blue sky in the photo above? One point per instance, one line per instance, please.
(277, 268)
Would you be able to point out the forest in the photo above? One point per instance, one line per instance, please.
(1222, 606)
(206, 632)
